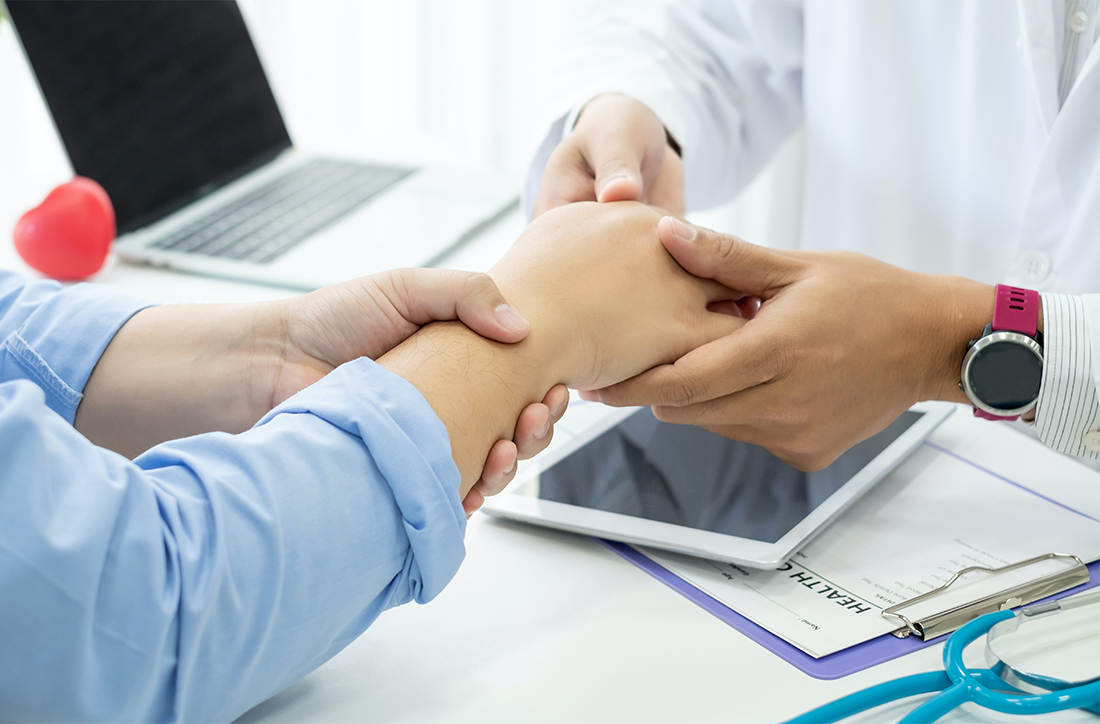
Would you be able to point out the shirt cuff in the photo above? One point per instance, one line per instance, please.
(60, 342)
(1068, 412)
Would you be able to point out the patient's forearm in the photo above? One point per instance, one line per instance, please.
(176, 371)
(477, 387)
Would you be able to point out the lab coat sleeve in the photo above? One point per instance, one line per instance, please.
(1068, 412)
(53, 335)
(724, 77)
(211, 572)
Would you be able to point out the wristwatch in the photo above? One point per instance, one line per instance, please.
(1002, 369)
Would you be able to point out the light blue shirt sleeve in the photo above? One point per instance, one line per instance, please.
(211, 572)
(54, 335)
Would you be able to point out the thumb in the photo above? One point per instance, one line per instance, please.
(733, 262)
(429, 295)
(623, 141)
(619, 180)
(625, 163)
(483, 309)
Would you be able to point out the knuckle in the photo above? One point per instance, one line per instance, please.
(813, 462)
(536, 446)
(392, 279)
(682, 391)
(499, 485)
(795, 460)
(778, 360)
(808, 452)
(801, 446)
(475, 287)
(727, 248)
(480, 282)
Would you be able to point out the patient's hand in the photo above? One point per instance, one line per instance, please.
(605, 299)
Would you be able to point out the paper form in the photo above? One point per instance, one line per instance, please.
(975, 493)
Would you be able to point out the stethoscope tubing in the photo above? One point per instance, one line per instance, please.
(873, 696)
(973, 686)
(957, 684)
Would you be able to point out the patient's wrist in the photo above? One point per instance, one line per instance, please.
(477, 387)
(559, 344)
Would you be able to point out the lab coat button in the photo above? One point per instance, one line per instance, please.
(1033, 266)
(1079, 21)
(1092, 440)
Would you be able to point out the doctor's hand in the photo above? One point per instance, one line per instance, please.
(604, 295)
(841, 345)
(618, 151)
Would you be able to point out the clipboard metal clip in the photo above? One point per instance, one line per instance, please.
(943, 622)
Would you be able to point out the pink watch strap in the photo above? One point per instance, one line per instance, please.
(1014, 310)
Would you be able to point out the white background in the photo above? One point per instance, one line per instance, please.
(454, 82)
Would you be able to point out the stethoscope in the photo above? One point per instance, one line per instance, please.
(1001, 687)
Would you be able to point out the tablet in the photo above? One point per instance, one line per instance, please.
(630, 477)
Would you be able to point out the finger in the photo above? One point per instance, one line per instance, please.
(666, 191)
(752, 411)
(566, 179)
(744, 358)
(755, 270)
(429, 295)
(500, 468)
(807, 461)
(557, 399)
(472, 502)
(748, 306)
(624, 161)
(534, 430)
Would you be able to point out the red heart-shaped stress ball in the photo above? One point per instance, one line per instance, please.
(68, 235)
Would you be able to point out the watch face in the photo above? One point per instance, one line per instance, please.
(1006, 375)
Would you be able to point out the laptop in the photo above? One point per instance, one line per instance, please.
(167, 106)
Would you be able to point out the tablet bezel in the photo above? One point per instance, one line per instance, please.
(691, 541)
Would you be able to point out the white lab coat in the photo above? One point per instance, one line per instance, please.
(934, 140)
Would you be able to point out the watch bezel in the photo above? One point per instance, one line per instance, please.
(988, 341)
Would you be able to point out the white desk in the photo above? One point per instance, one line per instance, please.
(538, 626)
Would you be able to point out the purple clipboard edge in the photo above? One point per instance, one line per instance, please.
(834, 666)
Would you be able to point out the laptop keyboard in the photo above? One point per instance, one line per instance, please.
(273, 219)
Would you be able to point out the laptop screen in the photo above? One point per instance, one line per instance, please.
(159, 101)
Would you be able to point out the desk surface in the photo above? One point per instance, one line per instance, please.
(537, 626)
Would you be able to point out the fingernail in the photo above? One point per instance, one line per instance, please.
(591, 395)
(470, 514)
(512, 469)
(560, 407)
(541, 433)
(682, 231)
(510, 319)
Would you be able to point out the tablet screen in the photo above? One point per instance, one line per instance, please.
(687, 476)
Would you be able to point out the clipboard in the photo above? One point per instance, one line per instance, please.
(848, 661)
